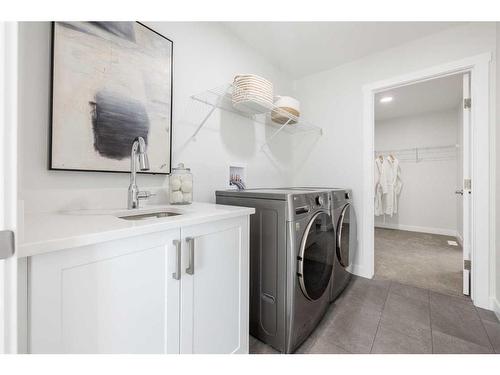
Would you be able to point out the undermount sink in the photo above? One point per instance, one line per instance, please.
(149, 215)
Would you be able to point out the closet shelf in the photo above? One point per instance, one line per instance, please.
(221, 97)
(417, 154)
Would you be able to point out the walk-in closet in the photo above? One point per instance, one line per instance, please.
(418, 168)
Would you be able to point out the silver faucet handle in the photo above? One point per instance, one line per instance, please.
(145, 194)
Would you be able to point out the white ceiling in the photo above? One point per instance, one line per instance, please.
(430, 96)
(303, 48)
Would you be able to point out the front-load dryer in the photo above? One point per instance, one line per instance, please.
(292, 252)
(346, 247)
(346, 244)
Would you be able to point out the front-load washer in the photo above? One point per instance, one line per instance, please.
(292, 252)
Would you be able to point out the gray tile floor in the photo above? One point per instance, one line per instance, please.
(419, 259)
(380, 316)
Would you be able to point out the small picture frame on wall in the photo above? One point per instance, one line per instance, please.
(111, 83)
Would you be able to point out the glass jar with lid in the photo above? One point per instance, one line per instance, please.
(181, 185)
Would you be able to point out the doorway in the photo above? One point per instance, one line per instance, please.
(479, 246)
(419, 168)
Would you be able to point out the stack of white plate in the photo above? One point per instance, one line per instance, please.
(252, 94)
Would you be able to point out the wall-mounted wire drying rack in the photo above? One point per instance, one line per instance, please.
(418, 154)
(221, 97)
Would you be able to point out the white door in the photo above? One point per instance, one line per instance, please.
(466, 184)
(214, 287)
(8, 186)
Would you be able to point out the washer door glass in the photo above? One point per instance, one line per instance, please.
(316, 256)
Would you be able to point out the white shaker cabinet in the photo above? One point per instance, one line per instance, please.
(112, 297)
(214, 287)
(183, 290)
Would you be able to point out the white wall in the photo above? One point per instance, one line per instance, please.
(205, 56)
(427, 202)
(333, 99)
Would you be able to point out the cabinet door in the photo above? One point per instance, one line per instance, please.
(114, 297)
(214, 287)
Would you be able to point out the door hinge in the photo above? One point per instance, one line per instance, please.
(7, 246)
(467, 184)
(467, 264)
(467, 103)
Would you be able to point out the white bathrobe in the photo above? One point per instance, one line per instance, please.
(388, 185)
(394, 186)
(380, 185)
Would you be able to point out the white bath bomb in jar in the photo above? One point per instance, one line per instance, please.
(187, 186)
(188, 197)
(176, 197)
(175, 183)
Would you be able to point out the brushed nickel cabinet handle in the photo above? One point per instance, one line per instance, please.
(177, 274)
(190, 242)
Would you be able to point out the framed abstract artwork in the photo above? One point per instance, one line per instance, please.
(111, 83)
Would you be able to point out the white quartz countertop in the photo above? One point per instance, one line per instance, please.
(47, 232)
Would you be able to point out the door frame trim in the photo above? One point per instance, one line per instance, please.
(8, 181)
(483, 170)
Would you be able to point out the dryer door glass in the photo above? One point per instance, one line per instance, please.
(316, 256)
(343, 235)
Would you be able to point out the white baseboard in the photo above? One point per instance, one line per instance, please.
(411, 228)
(360, 270)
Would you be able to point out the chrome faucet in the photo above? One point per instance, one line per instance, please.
(138, 152)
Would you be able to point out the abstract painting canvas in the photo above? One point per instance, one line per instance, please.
(111, 83)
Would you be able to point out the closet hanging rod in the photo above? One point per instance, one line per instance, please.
(418, 154)
(419, 149)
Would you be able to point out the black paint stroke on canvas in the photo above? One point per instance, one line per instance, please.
(116, 122)
(124, 30)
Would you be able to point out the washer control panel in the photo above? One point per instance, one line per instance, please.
(310, 202)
